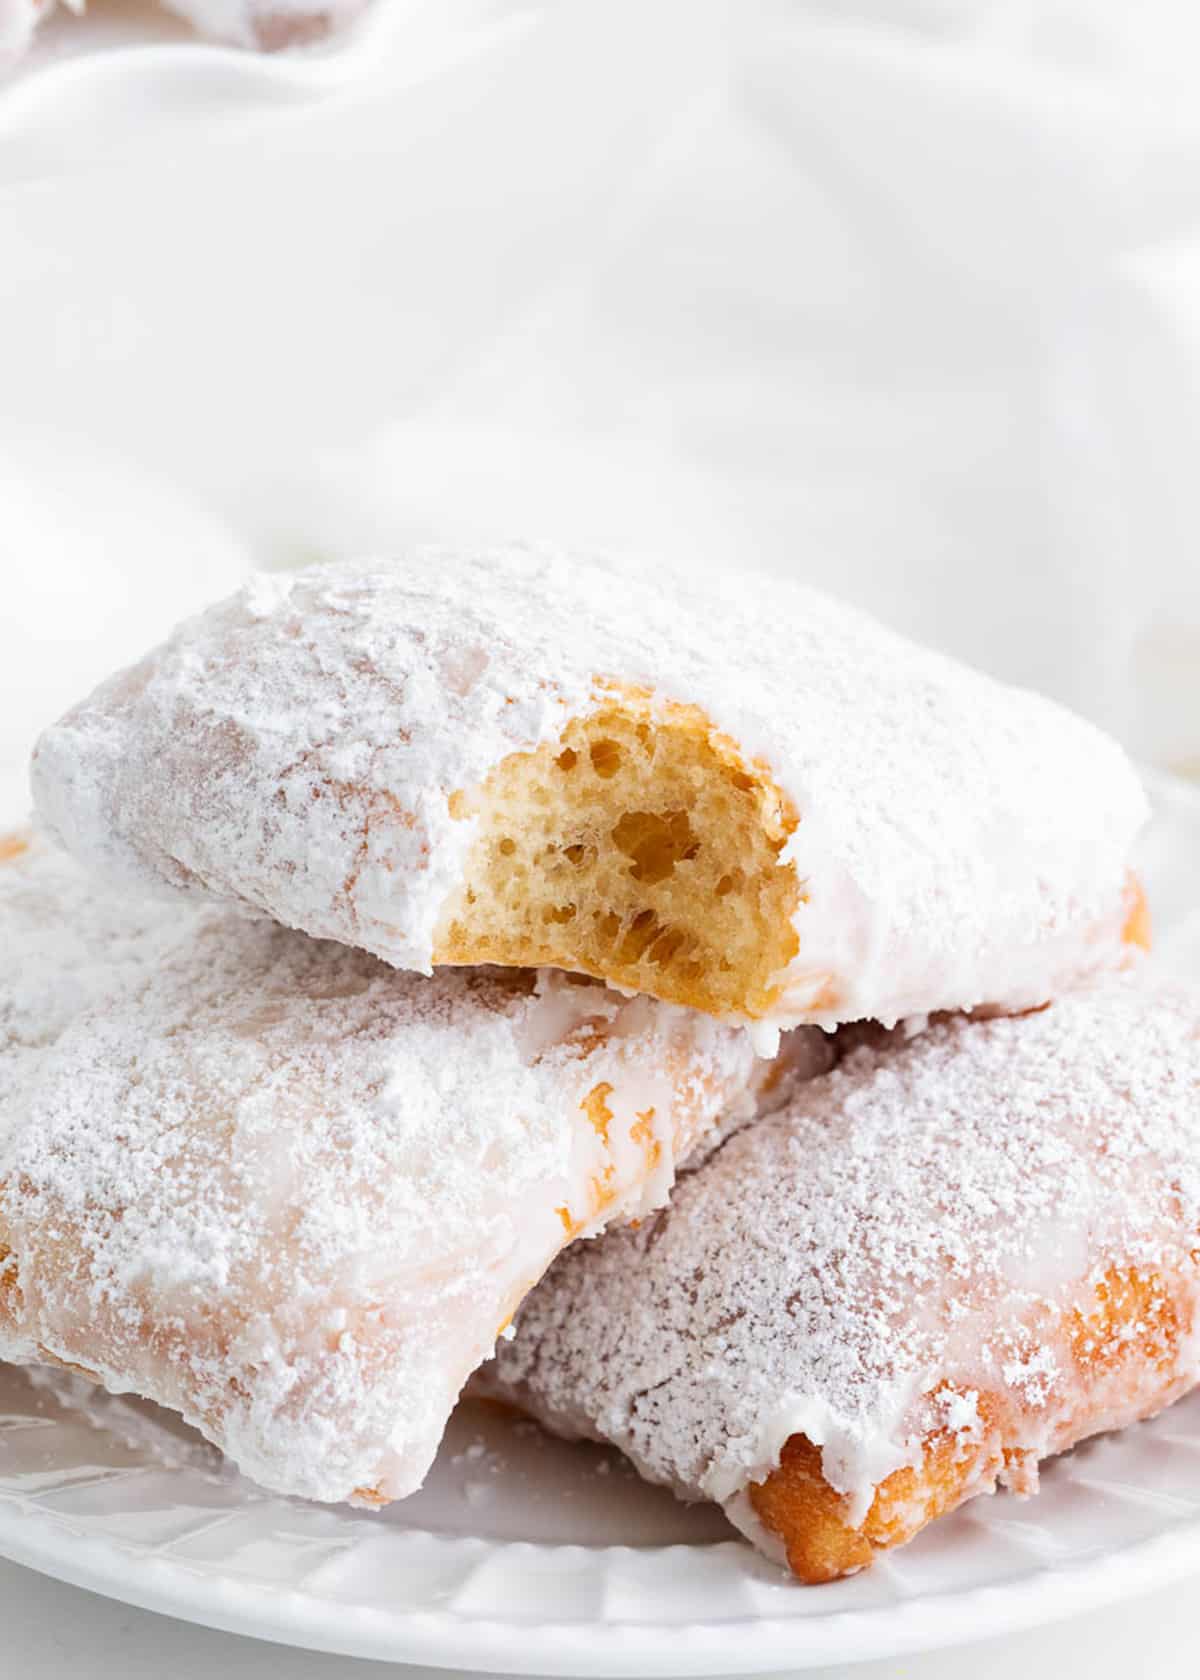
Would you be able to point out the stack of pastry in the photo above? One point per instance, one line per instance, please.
(394, 928)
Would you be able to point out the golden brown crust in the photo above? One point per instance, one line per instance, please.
(1123, 1364)
(1138, 929)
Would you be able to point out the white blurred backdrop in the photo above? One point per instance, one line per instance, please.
(900, 296)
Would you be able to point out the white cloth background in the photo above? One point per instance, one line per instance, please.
(902, 296)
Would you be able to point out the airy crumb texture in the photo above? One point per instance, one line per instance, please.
(949, 1258)
(639, 848)
(761, 776)
(272, 1183)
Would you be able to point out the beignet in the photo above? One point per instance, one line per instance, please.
(295, 1195)
(742, 796)
(944, 1261)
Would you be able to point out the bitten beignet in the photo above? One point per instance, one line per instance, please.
(272, 1183)
(946, 1260)
(738, 795)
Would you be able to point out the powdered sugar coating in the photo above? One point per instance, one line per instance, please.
(293, 1194)
(69, 943)
(295, 749)
(914, 1230)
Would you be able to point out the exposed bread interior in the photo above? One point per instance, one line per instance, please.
(642, 848)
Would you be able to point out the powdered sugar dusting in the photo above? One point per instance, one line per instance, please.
(68, 945)
(279, 1187)
(295, 748)
(914, 1229)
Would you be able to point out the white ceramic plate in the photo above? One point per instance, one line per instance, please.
(525, 1555)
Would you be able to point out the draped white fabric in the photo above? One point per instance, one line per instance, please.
(899, 295)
